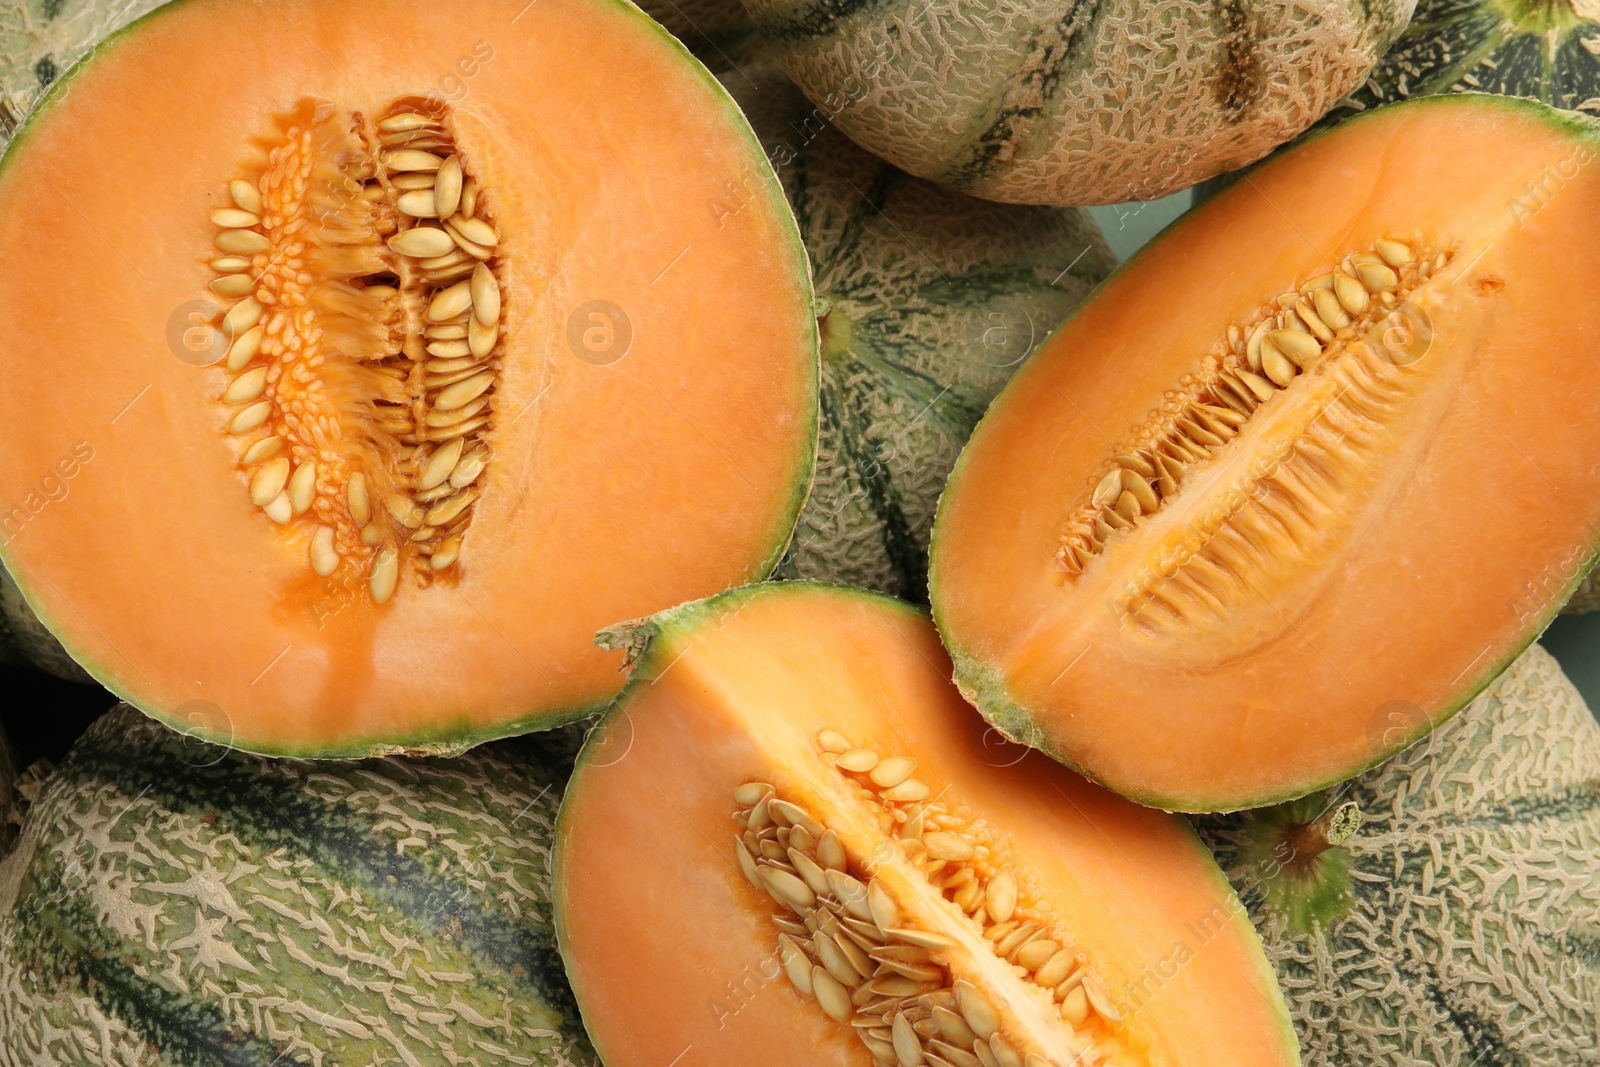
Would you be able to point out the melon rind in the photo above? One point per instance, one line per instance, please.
(984, 685)
(1468, 916)
(173, 902)
(1070, 102)
(930, 300)
(209, 724)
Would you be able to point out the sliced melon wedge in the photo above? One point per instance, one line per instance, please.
(411, 347)
(1301, 478)
(791, 842)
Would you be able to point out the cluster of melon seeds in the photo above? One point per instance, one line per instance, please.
(1323, 329)
(844, 942)
(363, 349)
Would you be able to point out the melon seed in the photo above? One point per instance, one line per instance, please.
(303, 487)
(1100, 999)
(787, 888)
(324, 560)
(884, 911)
(831, 995)
(246, 387)
(421, 242)
(262, 449)
(1351, 295)
(1376, 277)
(1075, 1008)
(796, 964)
(978, 1013)
(907, 1047)
(858, 760)
(241, 242)
(1393, 252)
(268, 482)
(385, 574)
(278, 509)
(891, 772)
(245, 196)
(251, 417)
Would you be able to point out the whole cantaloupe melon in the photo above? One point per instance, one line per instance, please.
(173, 902)
(1461, 922)
(1056, 102)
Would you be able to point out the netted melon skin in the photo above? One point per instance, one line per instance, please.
(1473, 930)
(171, 902)
(1075, 103)
(929, 301)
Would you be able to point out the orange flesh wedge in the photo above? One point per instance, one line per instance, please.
(616, 171)
(672, 950)
(1376, 541)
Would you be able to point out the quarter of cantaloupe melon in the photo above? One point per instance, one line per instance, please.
(929, 300)
(790, 842)
(368, 478)
(1466, 908)
(1055, 102)
(1296, 461)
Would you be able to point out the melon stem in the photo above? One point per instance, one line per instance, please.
(1333, 827)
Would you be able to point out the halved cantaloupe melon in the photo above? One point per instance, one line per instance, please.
(411, 348)
(1307, 459)
(791, 842)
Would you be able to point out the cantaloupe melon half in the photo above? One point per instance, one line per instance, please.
(1305, 475)
(792, 843)
(347, 476)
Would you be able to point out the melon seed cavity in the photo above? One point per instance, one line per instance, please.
(363, 340)
(1320, 328)
(843, 941)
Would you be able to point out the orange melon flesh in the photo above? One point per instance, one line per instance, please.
(1446, 531)
(670, 948)
(616, 170)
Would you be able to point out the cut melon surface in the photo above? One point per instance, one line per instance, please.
(791, 842)
(1330, 455)
(365, 478)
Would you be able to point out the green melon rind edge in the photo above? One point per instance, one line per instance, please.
(982, 683)
(685, 619)
(450, 741)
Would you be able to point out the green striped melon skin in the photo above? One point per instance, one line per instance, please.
(1076, 101)
(928, 301)
(175, 903)
(1467, 927)
(1546, 50)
